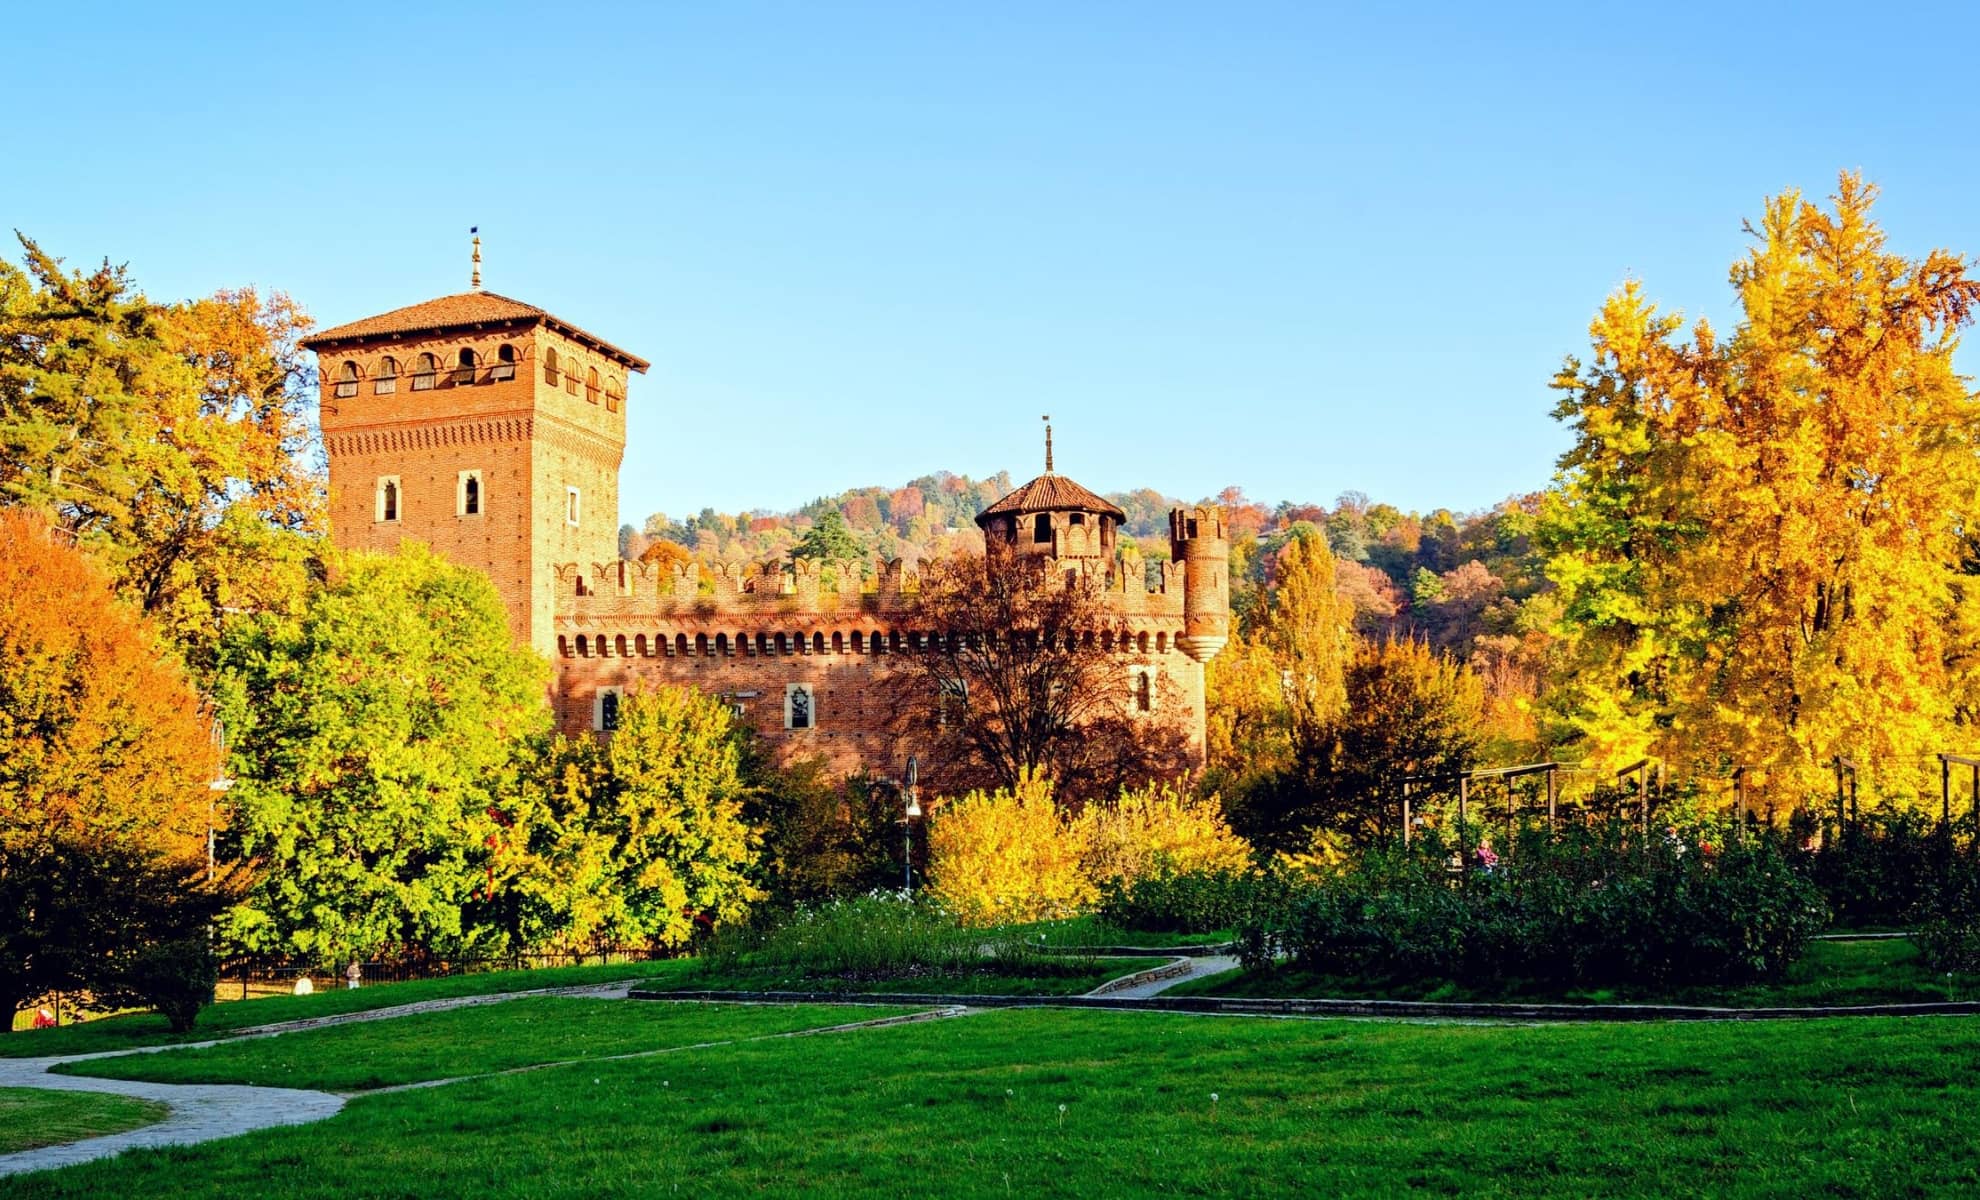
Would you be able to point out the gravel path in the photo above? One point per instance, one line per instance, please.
(203, 1112)
(199, 1112)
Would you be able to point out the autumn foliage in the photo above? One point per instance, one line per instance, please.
(1014, 854)
(101, 735)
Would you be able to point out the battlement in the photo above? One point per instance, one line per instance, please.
(1203, 521)
(627, 589)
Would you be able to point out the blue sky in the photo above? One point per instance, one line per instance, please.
(1296, 248)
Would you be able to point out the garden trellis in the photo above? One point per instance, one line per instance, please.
(1547, 773)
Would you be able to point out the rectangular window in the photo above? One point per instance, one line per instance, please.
(387, 499)
(800, 707)
(605, 709)
(572, 509)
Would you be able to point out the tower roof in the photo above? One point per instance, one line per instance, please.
(1050, 493)
(464, 310)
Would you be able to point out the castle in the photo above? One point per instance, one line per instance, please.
(493, 432)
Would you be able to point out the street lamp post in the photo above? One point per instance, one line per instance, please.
(908, 815)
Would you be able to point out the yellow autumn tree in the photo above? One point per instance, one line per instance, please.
(1761, 543)
(1158, 829)
(1008, 856)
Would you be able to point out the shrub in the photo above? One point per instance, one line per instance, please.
(1589, 907)
(1007, 857)
(1885, 869)
(1159, 830)
(877, 936)
(176, 978)
(1012, 856)
(1948, 931)
(1202, 901)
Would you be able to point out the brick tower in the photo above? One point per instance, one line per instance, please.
(487, 428)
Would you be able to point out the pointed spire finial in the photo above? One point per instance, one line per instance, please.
(1047, 418)
(474, 284)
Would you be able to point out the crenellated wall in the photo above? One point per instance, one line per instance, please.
(759, 630)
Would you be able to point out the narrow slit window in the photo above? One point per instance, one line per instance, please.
(572, 506)
(388, 498)
(468, 498)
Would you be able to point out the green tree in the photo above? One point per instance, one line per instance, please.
(640, 838)
(377, 740)
(829, 540)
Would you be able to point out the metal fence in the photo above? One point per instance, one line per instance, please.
(242, 978)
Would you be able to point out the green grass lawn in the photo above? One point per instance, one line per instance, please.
(1092, 931)
(1830, 973)
(1052, 977)
(148, 1029)
(31, 1118)
(1041, 1102)
(467, 1041)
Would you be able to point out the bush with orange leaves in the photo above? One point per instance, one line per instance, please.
(1013, 855)
(101, 735)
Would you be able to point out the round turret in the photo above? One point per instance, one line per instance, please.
(1197, 540)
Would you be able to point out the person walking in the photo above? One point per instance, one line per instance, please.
(352, 974)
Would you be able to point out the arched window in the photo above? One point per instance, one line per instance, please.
(388, 377)
(721, 643)
(1077, 519)
(1041, 528)
(550, 367)
(818, 643)
(701, 643)
(424, 370)
(680, 644)
(571, 378)
(859, 642)
(615, 393)
(470, 493)
(1144, 691)
(591, 385)
(464, 370)
(838, 643)
(347, 381)
(563, 646)
(505, 364)
(621, 645)
(388, 498)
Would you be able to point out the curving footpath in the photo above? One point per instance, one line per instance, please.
(198, 1112)
(202, 1112)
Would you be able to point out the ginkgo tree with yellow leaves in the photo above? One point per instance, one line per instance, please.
(1763, 542)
